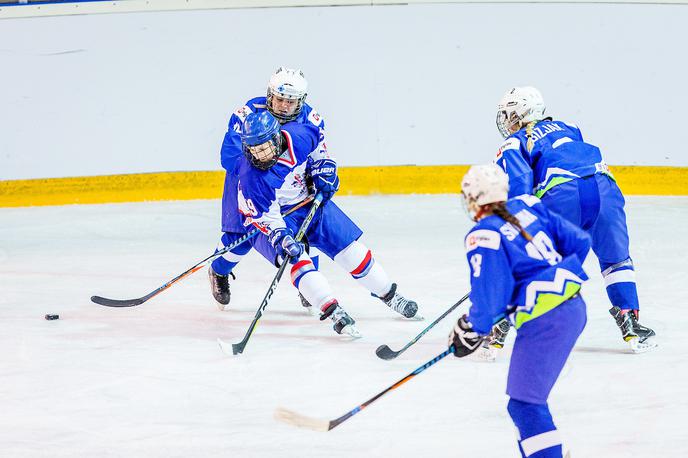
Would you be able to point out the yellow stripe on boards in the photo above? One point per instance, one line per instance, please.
(402, 179)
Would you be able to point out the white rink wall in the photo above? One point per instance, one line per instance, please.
(397, 84)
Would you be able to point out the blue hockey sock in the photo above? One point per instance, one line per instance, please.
(620, 281)
(225, 263)
(539, 436)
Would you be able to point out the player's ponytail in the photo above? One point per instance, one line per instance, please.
(499, 209)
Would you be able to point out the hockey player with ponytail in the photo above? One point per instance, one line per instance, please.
(525, 266)
(549, 159)
(273, 177)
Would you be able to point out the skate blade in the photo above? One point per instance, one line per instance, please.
(351, 331)
(416, 317)
(311, 311)
(222, 307)
(641, 347)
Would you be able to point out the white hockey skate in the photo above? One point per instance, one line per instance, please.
(343, 323)
(405, 307)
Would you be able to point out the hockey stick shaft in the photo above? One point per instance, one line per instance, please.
(196, 267)
(300, 420)
(239, 347)
(384, 352)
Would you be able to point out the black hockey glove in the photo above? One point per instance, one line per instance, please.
(464, 338)
(325, 179)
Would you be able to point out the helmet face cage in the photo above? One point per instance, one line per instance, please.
(519, 105)
(264, 155)
(505, 121)
(290, 85)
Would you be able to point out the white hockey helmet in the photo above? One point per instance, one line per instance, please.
(288, 84)
(482, 185)
(519, 106)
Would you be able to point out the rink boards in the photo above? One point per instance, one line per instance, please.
(402, 179)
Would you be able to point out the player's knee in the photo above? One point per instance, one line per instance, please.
(529, 418)
(356, 259)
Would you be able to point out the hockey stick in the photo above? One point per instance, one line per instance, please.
(238, 348)
(302, 421)
(384, 352)
(198, 266)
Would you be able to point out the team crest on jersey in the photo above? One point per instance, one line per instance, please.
(482, 238)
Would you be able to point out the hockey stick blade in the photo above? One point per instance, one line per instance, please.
(384, 352)
(292, 418)
(117, 302)
(198, 266)
(302, 421)
(224, 346)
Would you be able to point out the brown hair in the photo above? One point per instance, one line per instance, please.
(499, 209)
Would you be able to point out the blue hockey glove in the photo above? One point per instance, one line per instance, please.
(464, 338)
(325, 179)
(285, 245)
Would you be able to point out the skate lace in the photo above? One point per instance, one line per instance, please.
(398, 303)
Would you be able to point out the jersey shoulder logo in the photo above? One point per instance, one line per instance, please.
(483, 238)
(242, 112)
(315, 118)
(510, 143)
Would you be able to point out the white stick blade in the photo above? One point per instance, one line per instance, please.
(225, 347)
(292, 418)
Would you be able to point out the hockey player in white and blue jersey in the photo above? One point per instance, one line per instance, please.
(286, 100)
(525, 265)
(273, 178)
(551, 160)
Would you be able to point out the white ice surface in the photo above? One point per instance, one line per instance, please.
(150, 381)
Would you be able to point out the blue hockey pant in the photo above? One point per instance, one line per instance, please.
(596, 205)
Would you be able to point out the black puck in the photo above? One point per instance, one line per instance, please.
(52, 317)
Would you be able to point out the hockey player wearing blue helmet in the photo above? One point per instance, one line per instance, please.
(286, 101)
(272, 179)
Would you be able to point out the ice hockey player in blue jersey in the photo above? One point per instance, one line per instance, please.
(286, 95)
(273, 176)
(551, 160)
(525, 265)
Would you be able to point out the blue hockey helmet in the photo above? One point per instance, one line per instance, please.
(261, 139)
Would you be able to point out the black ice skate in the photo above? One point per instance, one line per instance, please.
(219, 286)
(643, 332)
(343, 323)
(406, 307)
(631, 333)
